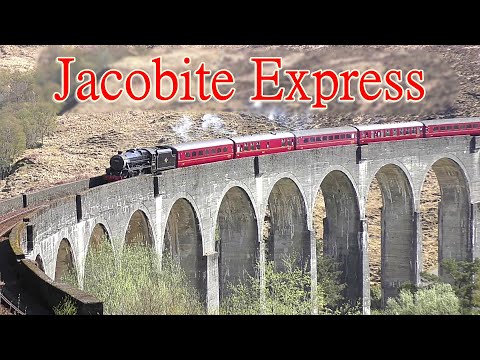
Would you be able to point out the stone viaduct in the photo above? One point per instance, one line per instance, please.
(211, 216)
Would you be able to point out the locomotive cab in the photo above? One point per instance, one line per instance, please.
(165, 159)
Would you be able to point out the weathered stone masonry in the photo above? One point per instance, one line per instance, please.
(211, 216)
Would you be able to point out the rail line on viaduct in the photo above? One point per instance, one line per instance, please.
(211, 216)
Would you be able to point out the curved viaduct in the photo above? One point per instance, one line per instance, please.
(211, 216)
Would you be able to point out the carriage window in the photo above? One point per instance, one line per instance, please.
(365, 134)
(336, 137)
(435, 128)
(283, 142)
(456, 127)
(400, 131)
(407, 131)
(442, 127)
(342, 136)
(325, 138)
(258, 146)
(475, 125)
(394, 132)
(194, 153)
(330, 137)
(252, 146)
(387, 132)
(462, 127)
(318, 138)
(187, 154)
(219, 150)
(469, 126)
(200, 153)
(414, 130)
(225, 149)
(312, 139)
(305, 140)
(289, 142)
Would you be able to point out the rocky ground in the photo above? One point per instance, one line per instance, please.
(90, 133)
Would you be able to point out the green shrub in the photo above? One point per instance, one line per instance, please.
(134, 285)
(66, 307)
(465, 279)
(286, 293)
(375, 296)
(437, 299)
(328, 277)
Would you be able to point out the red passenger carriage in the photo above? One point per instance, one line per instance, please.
(254, 145)
(452, 127)
(203, 152)
(317, 138)
(389, 132)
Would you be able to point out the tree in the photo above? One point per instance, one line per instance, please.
(12, 141)
(465, 277)
(37, 119)
(16, 87)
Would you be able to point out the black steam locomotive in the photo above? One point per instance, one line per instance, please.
(134, 162)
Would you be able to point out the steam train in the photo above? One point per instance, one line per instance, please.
(154, 160)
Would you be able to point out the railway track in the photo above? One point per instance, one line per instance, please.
(8, 221)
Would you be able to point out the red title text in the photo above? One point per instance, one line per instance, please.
(318, 88)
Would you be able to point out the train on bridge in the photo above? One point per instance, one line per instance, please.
(154, 160)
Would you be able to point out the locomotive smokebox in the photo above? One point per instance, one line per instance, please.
(117, 163)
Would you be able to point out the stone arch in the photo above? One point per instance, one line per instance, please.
(244, 188)
(65, 260)
(39, 262)
(454, 238)
(139, 230)
(274, 180)
(99, 253)
(398, 229)
(99, 233)
(183, 240)
(341, 226)
(289, 233)
(236, 238)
